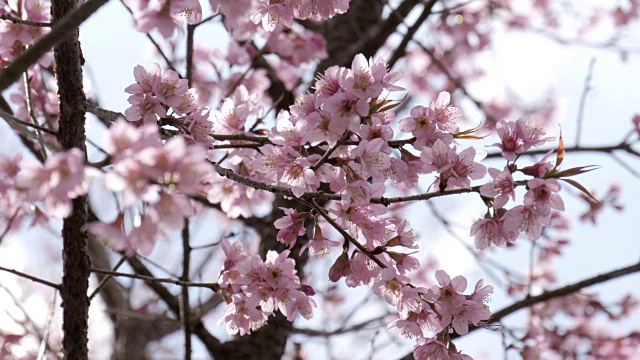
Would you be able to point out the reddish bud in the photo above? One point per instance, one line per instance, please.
(340, 268)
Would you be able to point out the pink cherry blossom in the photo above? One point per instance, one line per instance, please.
(502, 187)
(493, 230)
(319, 245)
(291, 226)
(527, 219)
(430, 349)
(543, 195)
(241, 316)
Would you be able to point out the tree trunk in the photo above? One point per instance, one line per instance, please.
(71, 134)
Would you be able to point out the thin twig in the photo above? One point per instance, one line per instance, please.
(626, 166)
(9, 223)
(152, 279)
(16, 20)
(457, 82)
(106, 279)
(32, 115)
(583, 101)
(154, 42)
(30, 277)
(400, 50)
(478, 257)
(200, 247)
(45, 337)
(328, 153)
(185, 307)
(346, 235)
(207, 19)
(10, 118)
(342, 330)
(189, 58)
(320, 195)
(212, 344)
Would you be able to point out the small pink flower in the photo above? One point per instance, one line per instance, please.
(543, 195)
(404, 237)
(371, 158)
(319, 10)
(319, 245)
(502, 187)
(274, 12)
(347, 111)
(330, 83)
(61, 179)
(144, 107)
(527, 219)
(190, 9)
(145, 80)
(279, 271)
(493, 230)
(406, 328)
(298, 176)
(241, 315)
(404, 262)
(446, 115)
(430, 349)
(390, 285)
(512, 142)
(291, 226)
(170, 88)
(158, 17)
(359, 80)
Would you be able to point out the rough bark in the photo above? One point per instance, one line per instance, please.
(360, 30)
(75, 280)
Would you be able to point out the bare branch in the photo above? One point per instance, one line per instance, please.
(10, 118)
(400, 50)
(583, 100)
(153, 279)
(189, 58)
(185, 309)
(212, 344)
(16, 20)
(32, 278)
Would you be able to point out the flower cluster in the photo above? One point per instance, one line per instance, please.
(442, 309)
(155, 92)
(164, 15)
(50, 187)
(255, 289)
(271, 12)
(502, 226)
(16, 37)
(161, 175)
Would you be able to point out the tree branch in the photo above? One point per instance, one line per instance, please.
(185, 309)
(400, 50)
(212, 344)
(153, 279)
(16, 20)
(30, 277)
(71, 134)
(562, 291)
(63, 28)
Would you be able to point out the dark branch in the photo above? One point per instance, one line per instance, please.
(63, 28)
(30, 277)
